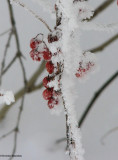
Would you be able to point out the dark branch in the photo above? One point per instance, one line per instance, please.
(5, 54)
(95, 97)
(33, 13)
(7, 134)
(19, 54)
(9, 65)
(5, 32)
(16, 130)
(102, 7)
(105, 44)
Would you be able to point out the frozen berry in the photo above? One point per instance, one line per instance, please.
(34, 43)
(46, 80)
(78, 75)
(52, 102)
(47, 55)
(35, 55)
(47, 93)
(50, 67)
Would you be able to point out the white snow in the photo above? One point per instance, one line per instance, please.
(6, 97)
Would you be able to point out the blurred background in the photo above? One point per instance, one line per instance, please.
(39, 130)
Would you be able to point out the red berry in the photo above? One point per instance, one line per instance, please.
(34, 43)
(48, 93)
(83, 70)
(46, 80)
(35, 55)
(50, 67)
(77, 75)
(47, 55)
(52, 102)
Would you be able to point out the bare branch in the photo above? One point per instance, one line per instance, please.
(19, 54)
(7, 134)
(16, 130)
(105, 44)
(5, 54)
(9, 65)
(95, 97)
(5, 32)
(33, 13)
(21, 92)
(107, 134)
(102, 7)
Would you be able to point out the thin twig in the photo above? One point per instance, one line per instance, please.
(33, 13)
(5, 55)
(9, 65)
(108, 133)
(23, 71)
(102, 7)
(16, 130)
(5, 32)
(21, 92)
(7, 134)
(19, 54)
(105, 44)
(95, 97)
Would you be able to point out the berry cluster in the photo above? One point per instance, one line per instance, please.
(52, 81)
(49, 93)
(85, 65)
(83, 70)
(41, 51)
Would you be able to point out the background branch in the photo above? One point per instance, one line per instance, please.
(108, 133)
(30, 87)
(33, 13)
(95, 97)
(5, 32)
(16, 129)
(104, 44)
(102, 7)
(5, 54)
